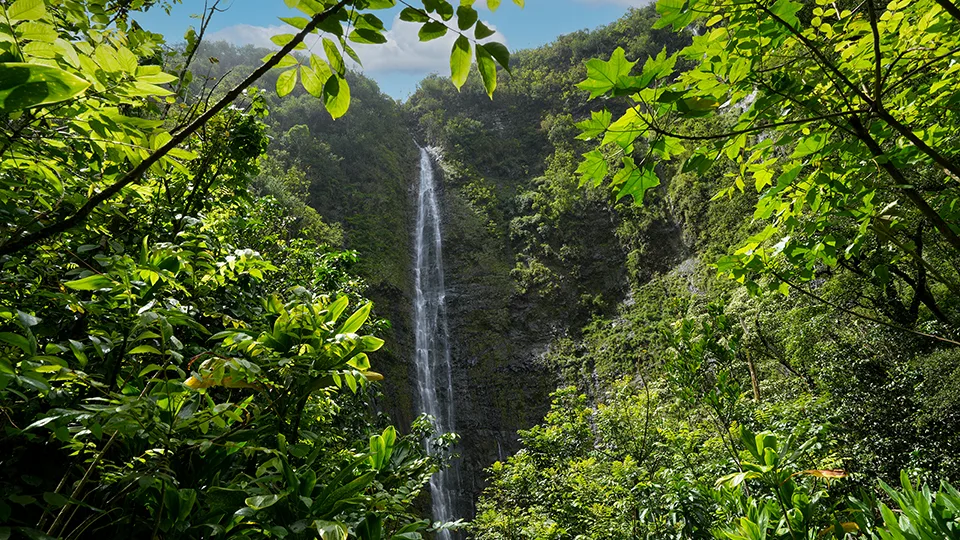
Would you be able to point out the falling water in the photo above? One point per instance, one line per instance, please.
(434, 381)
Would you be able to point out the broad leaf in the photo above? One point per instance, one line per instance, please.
(24, 85)
(286, 82)
(488, 70)
(260, 502)
(26, 10)
(336, 96)
(432, 30)
(460, 60)
(90, 283)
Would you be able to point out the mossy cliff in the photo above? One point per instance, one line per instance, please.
(536, 267)
(530, 258)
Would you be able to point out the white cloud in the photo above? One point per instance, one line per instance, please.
(402, 53)
(248, 34)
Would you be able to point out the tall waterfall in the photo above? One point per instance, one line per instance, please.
(434, 380)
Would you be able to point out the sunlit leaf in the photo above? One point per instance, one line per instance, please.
(260, 502)
(90, 283)
(26, 10)
(25, 85)
(460, 61)
(336, 96)
(286, 82)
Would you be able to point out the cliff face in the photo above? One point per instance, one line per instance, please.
(499, 387)
(530, 258)
(361, 169)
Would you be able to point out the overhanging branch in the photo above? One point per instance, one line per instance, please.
(14, 245)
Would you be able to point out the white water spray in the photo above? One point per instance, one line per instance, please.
(434, 380)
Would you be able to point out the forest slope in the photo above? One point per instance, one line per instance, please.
(555, 279)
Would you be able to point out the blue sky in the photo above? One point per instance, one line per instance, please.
(400, 64)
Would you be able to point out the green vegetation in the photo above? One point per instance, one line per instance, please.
(726, 251)
(805, 159)
(184, 346)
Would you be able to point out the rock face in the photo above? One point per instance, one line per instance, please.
(529, 257)
(498, 385)
(499, 388)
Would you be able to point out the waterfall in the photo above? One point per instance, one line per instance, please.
(434, 380)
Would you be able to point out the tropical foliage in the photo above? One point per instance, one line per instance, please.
(182, 356)
(805, 150)
(188, 348)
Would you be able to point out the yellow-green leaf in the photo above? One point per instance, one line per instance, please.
(144, 349)
(24, 85)
(90, 283)
(336, 96)
(286, 82)
(311, 81)
(334, 57)
(460, 59)
(356, 320)
(26, 10)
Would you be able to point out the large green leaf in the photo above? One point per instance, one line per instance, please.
(432, 30)
(16, 340)
(488, 70)
(286, 82)
(90, 283)
(336, 96)
(366, 36)
(593, 168)
(460, 59)
(356, 320)
(24, 85)
(500, 53)
(330, 530)
(334, 57)
(466, 17)
(603, 76)
(259, 502)
(482, 31)
(311, 81)
(635, 181)
(26, 10)
(414, 15)
(597, 124)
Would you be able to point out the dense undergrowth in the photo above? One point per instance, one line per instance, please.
(189, 359)
(698, 407)
(185, 339)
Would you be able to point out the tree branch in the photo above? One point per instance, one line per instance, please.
(877, 58)
(823, 60)
(12, 245)
(937, 157)
(904, 185)
(660, 131)
(859, 315)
